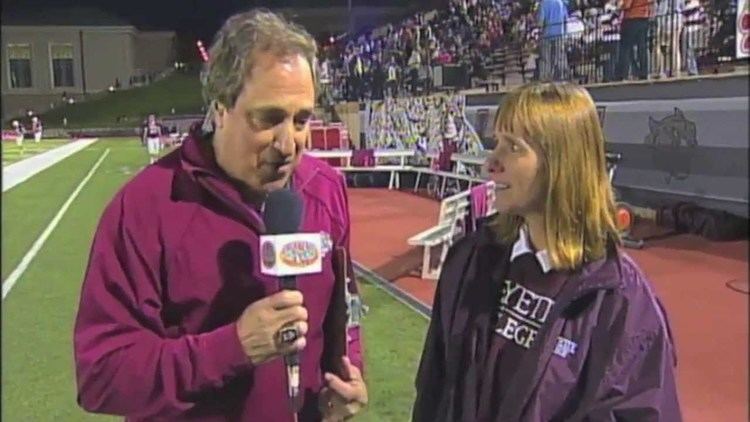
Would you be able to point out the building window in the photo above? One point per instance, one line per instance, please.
(19, 65)
(62, 65)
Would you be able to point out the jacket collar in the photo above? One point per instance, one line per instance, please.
(523, 246)
(604, 273)
(199, 175)
(195, 161)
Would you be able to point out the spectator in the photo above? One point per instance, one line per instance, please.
(695, 19)
(634, 35)
(609, 23)
(391, 83)
(324, 72)
(377, 73)
(415, 61)
(552, 18)
(357, 72)
(668, 16)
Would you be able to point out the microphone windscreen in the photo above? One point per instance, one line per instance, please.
(282, 212)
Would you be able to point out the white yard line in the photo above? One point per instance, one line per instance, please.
(23, 170)
(13, 278)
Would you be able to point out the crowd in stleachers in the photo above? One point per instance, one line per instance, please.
(398, 60)
(422, 123)
(646, 38)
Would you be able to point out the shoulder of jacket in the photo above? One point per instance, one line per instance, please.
(636, 301)
(148, 191)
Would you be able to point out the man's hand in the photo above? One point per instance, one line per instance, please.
(260, 322)
(340, 399)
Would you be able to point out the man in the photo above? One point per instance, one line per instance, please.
(634, 35)
(668, 17)
(552, 18)
(325, 80)
(176, 322)
(609, 27)
(695, 22)
(391, 83)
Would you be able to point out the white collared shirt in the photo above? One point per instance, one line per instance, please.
(523, 246)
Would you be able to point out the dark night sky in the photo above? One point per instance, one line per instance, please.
(200, 18)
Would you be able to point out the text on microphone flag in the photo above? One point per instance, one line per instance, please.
(291, 254)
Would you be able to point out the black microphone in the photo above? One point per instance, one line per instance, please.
(282, 215)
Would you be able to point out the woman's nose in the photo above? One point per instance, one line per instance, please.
(494, 165)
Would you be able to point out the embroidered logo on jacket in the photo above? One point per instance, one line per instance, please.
(521, 313)
(565, 347)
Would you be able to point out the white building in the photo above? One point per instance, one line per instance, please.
(74, 51)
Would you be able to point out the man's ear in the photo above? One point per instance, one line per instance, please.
(220, 112)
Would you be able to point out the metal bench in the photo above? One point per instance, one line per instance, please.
(450, 227)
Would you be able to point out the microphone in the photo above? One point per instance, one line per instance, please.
(285, 254)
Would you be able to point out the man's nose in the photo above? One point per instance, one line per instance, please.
(284, 140)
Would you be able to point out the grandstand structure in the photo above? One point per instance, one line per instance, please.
(697, 104)
(419, 123)
(494, 43)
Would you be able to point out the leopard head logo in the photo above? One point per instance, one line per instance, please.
(672, 140)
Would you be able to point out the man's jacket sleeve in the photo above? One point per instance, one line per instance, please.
(126, 364)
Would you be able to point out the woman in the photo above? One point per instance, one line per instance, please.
(539, 315)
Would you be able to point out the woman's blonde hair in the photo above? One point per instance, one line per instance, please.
(560, 120)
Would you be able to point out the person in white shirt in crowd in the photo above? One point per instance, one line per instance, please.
(36, 128)
(391, 82)
(609, 25)
(694, 21)
(574, 26)
(324, 72)
(668, 15)
(358, 74)
(415, 61)
(451, 132)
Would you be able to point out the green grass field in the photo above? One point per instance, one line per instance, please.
(12, 152)
(181, 91)
(38, 381)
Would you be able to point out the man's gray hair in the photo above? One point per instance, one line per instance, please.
(231, 56)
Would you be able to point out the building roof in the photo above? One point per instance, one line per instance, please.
(70, 16)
